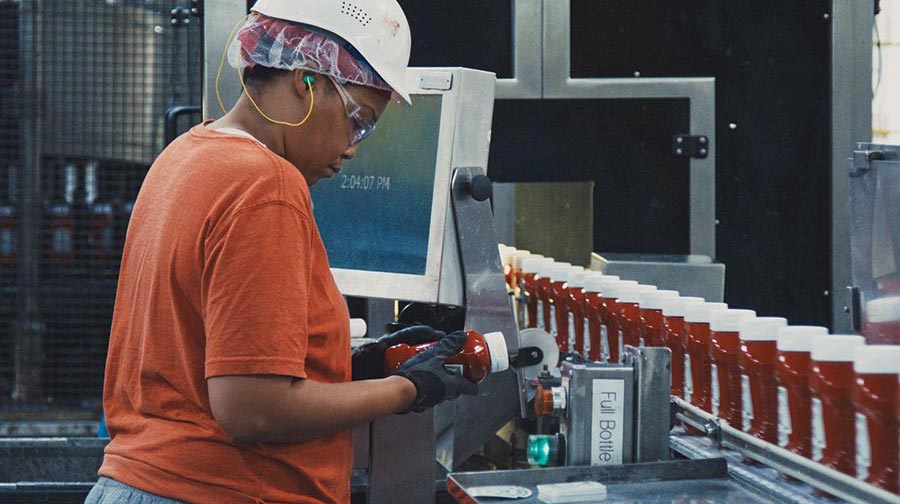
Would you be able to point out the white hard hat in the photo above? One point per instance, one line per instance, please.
(377, 29)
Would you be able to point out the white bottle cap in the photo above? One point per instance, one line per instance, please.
(702, 312)
(877, 359)
(729, 320)
(530, 264)
(883, 310)
(836, 348)
(653, 300)
(496, 345)
(799, 338)
(612, 288)
(577, 279)
(358, 328)
(762, 328)
(559, 272)
(544, 267)
(674, 307)
(593, 282)
(506, 254)
(634, 293)
(520, 256)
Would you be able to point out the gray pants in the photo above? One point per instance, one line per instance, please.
(110, 491)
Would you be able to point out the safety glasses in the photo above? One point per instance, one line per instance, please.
(362, 127)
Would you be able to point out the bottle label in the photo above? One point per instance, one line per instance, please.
(6, 242)
(554, 330)
(688, 378)
(604, 343)
(818, 429)
(714, 388)
(863, 447)
(540, 315)
(571, 331)
(62, 240)
(607, 422)
(746, 402)
(587, 339)
(784, 417)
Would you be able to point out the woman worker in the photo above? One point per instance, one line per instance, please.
(229, 371)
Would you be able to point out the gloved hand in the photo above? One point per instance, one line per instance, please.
(434, 384)
(368, 360)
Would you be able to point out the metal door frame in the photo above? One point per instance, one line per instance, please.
(700, 91)
(851, 123)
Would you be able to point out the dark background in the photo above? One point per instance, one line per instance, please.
(773, 168)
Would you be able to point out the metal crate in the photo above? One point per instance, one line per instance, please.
(84, 87)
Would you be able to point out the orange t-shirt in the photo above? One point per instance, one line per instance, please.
(223, 273)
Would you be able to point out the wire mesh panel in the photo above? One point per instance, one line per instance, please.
(85, 88)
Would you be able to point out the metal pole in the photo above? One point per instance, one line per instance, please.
(28, 327)
(851, 122)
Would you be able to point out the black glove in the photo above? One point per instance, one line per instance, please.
(368, 360)
(434, 384)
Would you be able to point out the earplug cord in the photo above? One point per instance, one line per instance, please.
(307, 79)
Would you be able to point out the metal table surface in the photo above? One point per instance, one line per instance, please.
(677, 481)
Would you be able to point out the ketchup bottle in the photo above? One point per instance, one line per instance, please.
(725, 367)
(875, 396)
(652, 330)
(759, 387)
(834, 418)
(529, 290)
(673, 321)
(609, 311)
(575, 305)
(881, 321)
(481, 356)
(794, 345)
(593, 308)
(697, 363)
(543, 294)
(629, 315)
(515, 271)
(558, 302)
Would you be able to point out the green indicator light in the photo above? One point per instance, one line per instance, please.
(539, 449)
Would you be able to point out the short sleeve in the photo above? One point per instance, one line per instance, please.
(255, 293)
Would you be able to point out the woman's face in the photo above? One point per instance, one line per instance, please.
(320, 146)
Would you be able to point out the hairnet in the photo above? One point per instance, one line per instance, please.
(275, 43)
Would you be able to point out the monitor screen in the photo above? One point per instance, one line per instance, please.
(375, 215)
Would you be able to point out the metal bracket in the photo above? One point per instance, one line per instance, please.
(488, 307)
(693, 146)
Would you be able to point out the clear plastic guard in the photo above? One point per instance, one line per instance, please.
(875, 240)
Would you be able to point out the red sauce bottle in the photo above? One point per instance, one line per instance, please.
(575, 304)
(697, 363)
(794, 344)
(481, 356)
(652, 330)
(609, 311)
(877, 398)
(559, 304)
(881, 321)
(630, 313)
(543, 293)
(673, 321)
(593, 307)
(759, 386)
(834, 418)
(529, 290)
(725, 367)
